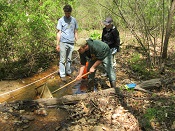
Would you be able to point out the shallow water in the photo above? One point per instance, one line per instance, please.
(13, 91)
(31, 88)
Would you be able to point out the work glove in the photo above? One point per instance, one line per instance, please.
(114, 51)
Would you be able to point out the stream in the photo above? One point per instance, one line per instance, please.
(33, 88)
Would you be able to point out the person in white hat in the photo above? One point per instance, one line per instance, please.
(95, 52)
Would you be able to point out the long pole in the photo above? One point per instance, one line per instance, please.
(69, 83)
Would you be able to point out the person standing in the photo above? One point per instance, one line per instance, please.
(95, 52)
(110, 35)
(66, 36)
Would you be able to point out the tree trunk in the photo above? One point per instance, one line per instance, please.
(168, 29)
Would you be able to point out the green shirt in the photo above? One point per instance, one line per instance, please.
(98, 50)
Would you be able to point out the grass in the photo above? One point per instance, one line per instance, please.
(139, 65)
(161, 112)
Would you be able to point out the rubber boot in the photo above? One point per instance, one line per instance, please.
(113, 84)
(117, 90)
(90, 85)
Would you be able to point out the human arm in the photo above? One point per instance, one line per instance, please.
(76, 35)
(116, 39)
(58, 40)
(80, 72)
(95, 65)
(92, 69)
(102, 35)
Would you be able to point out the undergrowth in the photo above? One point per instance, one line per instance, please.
(139, 65)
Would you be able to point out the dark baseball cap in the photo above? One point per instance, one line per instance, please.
(107, 21)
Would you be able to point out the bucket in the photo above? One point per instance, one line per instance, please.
(85, 71)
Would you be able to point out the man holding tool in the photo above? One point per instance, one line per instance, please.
(95, 52)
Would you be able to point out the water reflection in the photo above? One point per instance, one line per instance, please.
(81, 87)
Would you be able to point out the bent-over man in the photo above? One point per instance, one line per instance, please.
(95, 52)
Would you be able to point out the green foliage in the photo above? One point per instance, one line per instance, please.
(95, 35)
(27, 27)
(90, 13)
(151, 113)
(159, 114)
(148, 117)
(27, 35)
(135, 58)
(139, 66)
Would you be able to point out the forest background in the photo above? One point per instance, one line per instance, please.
(28, 30)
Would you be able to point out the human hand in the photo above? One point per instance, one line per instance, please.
(78, 77)
(92, 69)
(58, 48)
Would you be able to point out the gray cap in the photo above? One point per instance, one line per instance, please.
(107, 21)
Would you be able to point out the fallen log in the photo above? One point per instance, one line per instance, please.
(69, 99)
(151, 84)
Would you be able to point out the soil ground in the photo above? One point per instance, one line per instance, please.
(138, 110)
